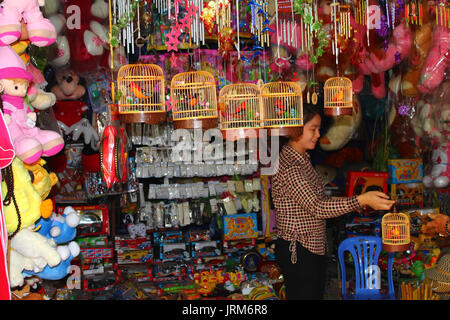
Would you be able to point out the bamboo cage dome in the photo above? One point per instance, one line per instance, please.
(240, 108)
(194, 98)
(142, 93)
(282, 105)
(395, 228)
(338, 96)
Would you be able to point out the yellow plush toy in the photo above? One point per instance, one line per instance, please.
(27, 198)
(43, 183)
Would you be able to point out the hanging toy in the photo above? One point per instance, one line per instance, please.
(113, 156)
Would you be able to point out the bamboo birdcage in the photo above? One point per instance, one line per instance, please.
(338, 96)
(240, 111)
(395, 230)
(282, 107)
(194, 100)
(142, 93)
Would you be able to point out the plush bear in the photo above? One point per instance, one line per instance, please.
(70, 92)
(440, 172)
(342, 129)
(40, 31)
(30, 142)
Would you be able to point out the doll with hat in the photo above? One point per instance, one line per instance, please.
(30, 142)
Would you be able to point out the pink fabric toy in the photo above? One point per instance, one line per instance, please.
(40, 30)
(30, 142)
(437, 61)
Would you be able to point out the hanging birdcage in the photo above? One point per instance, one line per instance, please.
(240, 111)
(141, 89)
(395, 229)
(282, 107)
(194, 100)
(338, 96)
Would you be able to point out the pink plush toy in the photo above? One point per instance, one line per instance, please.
(437, 61)
(40, 30)
(440, 172)
(30, 142)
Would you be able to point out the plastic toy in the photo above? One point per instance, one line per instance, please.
(240, 226)
(40, 31)
(29, 141)
(437, 61)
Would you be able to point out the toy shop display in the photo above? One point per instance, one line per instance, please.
(118, 117)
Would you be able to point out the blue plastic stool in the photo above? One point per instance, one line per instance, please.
(365, 251)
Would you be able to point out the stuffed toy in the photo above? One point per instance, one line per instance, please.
(60, 228)
(69, 90)
(437, 61)
(33, 252)
(90, 38)
(39, 99)
(30, 142)
(419, 51)
(440, 172)
(40, 31)
(84, 127)
(61, 270)
(342, 129)
(43, 183)
(27, 198)
(60, 56)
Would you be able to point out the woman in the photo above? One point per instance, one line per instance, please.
(301, 212)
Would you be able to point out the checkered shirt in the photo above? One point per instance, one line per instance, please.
(301, 204)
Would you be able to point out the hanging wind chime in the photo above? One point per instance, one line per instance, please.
(443, 14)
(413, 12)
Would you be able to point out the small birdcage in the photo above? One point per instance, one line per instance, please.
(282, 107)
(240, 111)
(141, 90)
(194, 100)
(395, 229)
(338, 95)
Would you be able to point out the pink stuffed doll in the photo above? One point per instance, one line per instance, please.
(437, 61)
(30, 142)
(40, 30)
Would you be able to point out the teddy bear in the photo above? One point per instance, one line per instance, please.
(440, 172)
(30, 142)
(342, 128)
(70, 92)
(40, 31)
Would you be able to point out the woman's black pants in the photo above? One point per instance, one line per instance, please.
(304, 280)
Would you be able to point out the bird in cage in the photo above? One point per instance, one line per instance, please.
(279, 107)
(241, 111)
(339, 96)
(138, 92)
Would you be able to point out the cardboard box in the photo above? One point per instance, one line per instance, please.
(134, 256)
(127, 243)
(407, 194)
(405, 170)
(240, 226)
(359, 182)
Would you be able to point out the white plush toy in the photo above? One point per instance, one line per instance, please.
(440, 172)
(342, 129)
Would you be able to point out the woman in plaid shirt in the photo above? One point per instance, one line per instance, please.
(301, 212)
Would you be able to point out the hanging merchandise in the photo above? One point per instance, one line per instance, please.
(338, 96)
(395, 232)
(194, 100)
(141, 90)
(282, 107)
(240, 111)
